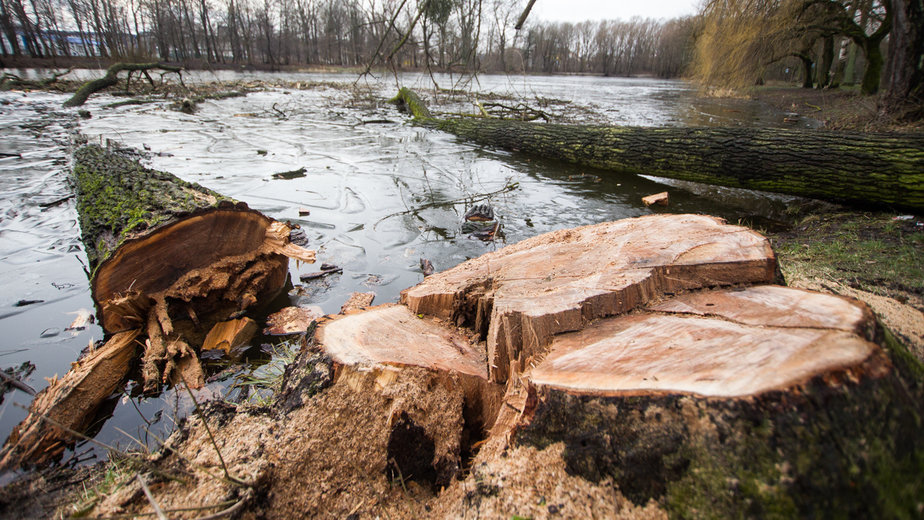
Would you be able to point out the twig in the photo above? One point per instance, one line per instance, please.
(230, 511)
(381, 43)
(420, 11)
(111, 449)
(176, 510)
(147, 493)
(475, 198)
(522, 19)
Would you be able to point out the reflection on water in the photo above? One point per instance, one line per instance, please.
(378, 197)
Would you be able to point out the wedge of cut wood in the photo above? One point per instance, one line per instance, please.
(392, 335)
(522, 295)
(230, 334)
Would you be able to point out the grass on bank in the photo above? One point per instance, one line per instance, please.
(872, 252)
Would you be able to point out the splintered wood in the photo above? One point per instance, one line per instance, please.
(170, 259)
(68, 403)
(229, 335)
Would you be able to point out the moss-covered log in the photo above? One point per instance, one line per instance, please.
(883, 170)
(169, 259)
(111, 78)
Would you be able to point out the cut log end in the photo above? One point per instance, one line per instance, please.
(392, 335)
(162, 250)
(660, 199)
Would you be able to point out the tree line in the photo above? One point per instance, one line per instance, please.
(731, 43)
(829, 43)
(443, 35)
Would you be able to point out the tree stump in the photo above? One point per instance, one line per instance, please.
(655, 352)
(522, 295)
(168, 259)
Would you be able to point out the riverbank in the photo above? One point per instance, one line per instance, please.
(876, 257)
(836, 109)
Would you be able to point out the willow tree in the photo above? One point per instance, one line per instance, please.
(740, 38)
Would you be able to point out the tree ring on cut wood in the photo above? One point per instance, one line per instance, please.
(713, 347)
(154, 262)
(741, 401)
(392, 335)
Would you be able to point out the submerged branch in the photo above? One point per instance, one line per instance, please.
(442, 204)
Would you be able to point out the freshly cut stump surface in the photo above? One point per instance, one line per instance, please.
(720, 343)
(392, 335)
(522, 295)
(637, 371)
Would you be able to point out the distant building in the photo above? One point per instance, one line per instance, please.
(63, 43)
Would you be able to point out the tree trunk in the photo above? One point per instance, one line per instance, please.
(827, 58)
(873, 73)
(884, 170)
(168, 259)
(905, 95)
(806, 70)
(618, 341)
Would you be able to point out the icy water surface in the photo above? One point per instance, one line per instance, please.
(380, 195)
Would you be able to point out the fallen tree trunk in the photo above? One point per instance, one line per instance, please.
(111, 78)
(883, 170)
(168, 261)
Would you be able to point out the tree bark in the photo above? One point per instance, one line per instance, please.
(878, 170)
(111, 78)
(169, 259)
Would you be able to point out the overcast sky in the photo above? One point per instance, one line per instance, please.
(580, 10)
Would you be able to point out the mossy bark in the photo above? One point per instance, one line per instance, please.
(118, 198)
(843, 445)
(882, 170)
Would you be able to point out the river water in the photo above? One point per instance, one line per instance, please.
(381, 194)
